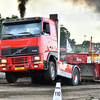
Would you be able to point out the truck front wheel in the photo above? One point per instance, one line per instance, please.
(50, 74)
(11, 77)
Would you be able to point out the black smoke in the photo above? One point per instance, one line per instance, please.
(92, 4)
(21, 7)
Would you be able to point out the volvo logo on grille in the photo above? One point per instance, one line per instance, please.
(19, 51)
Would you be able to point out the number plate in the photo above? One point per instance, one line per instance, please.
(19, 68)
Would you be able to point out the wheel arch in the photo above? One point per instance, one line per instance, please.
(76, 66)
(52, 57)
(74, 79)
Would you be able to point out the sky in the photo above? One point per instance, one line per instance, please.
(81, 19)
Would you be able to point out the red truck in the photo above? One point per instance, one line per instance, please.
(30, 48)
(88, 64)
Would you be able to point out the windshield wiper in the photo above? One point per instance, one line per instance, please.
(11, 35)
(26, 33)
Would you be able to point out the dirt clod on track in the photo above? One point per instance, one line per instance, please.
(23, 89)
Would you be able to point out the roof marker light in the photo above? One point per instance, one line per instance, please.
(15, 19)
(4, 20)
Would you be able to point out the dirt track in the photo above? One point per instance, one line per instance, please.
(23, 89)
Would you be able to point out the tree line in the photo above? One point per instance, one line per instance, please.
(83, 47)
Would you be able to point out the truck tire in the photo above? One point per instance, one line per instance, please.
(11, 77)
(75, 78)
(50, 74)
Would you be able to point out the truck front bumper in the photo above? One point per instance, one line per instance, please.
(22, 63)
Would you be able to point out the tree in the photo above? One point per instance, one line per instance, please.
(1, 19)
(72, 42)
(64, 35)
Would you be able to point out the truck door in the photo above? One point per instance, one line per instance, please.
(46, 38)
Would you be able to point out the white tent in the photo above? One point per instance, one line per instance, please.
(68, 47)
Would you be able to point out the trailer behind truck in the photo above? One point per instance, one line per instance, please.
(87, 62)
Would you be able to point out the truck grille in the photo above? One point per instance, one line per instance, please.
(11, 52)
(19, 60)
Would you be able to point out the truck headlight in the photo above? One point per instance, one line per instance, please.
(37, 58)
(3, 60)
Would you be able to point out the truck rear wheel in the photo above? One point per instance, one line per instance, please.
(50, 74)
(75, 78)
(11, 77)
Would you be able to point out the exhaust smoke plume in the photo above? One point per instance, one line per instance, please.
(95, 4)
(91, 4)
(21, 7)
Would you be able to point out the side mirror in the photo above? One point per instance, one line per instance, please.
(46, 29)
(43, 33)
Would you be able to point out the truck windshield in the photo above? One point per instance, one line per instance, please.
(20, 30)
